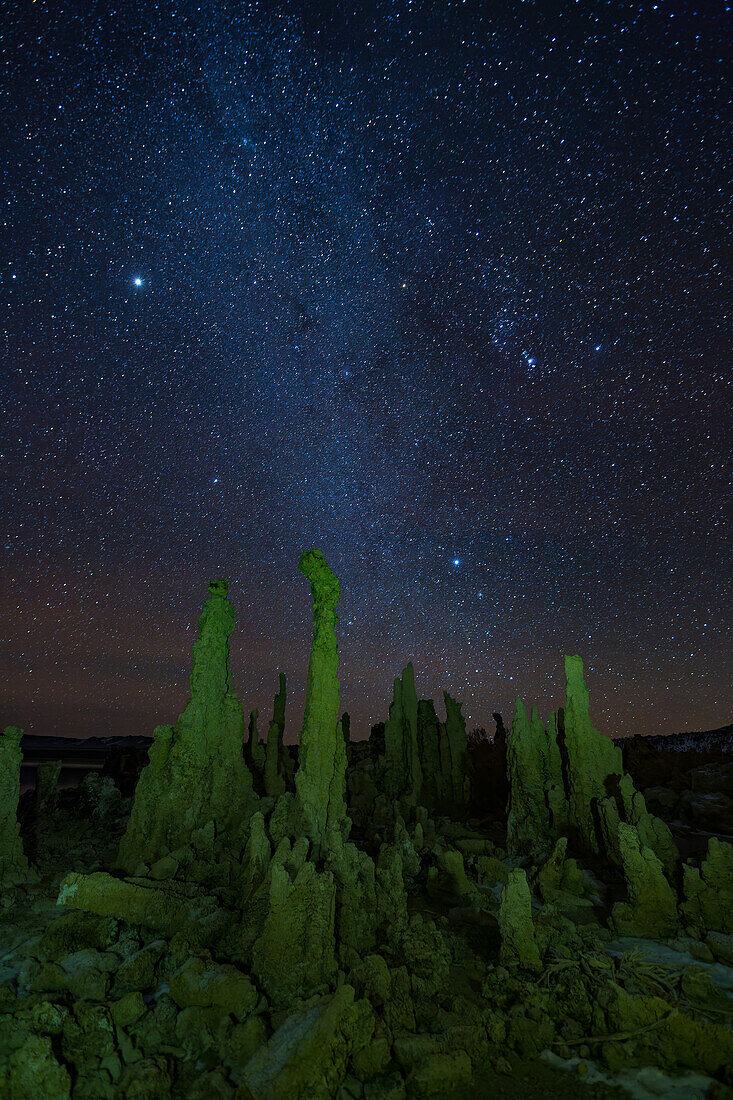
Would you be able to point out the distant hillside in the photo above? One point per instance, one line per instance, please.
(720, 740)
(37, 748)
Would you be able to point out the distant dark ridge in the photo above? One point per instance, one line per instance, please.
(37, 748)
(720, 740)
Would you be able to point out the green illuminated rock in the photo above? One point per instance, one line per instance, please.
(34, 1071)
(320, 781)
(403, 772)
(257, 852)
(308, 1055)
(518, 943)
(196, 776)
(557, 802)
(627, 804)
(599, 795)
(651, 909)
(274, 779)
(528, 822)
(708, 891)
(13, 863)
(259, 949)
(354, 873)
(295, 953)
(164, 906)
(426, 761)
(560, 880)
(592, 757)
(538, 811)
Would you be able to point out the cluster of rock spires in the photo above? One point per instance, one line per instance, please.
(345, 928)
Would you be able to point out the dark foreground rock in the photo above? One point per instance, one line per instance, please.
(361, 926)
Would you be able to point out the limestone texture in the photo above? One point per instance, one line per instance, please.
(528, 821)
(320, 781)
(518, 943)
(403, 771)
(651, 909)
(309, 1053)
(258, 937)
(592, 758)
(708, 890)
(196, 774)
(294, 953)
(426, 761)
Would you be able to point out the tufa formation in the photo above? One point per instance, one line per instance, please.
(357, 919)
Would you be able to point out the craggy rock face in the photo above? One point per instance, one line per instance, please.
(272, 940)
(321, 779)
(196, 780)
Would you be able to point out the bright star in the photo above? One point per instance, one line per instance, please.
(137, 281)
(456, 561)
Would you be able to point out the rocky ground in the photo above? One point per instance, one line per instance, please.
(364, 921)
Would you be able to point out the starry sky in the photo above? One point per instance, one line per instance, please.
(439, 288)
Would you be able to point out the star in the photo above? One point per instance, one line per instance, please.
(137, 281)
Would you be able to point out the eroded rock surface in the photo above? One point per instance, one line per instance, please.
(252, 943)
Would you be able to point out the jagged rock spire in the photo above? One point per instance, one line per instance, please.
(320, 781)
(274, 781)
(403, 773)
(592, 757)
(196, 774)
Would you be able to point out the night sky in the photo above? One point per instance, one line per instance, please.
(438, 288)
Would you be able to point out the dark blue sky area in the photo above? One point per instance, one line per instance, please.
(438, 288)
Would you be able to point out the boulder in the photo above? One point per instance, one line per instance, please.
(308, 1055)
